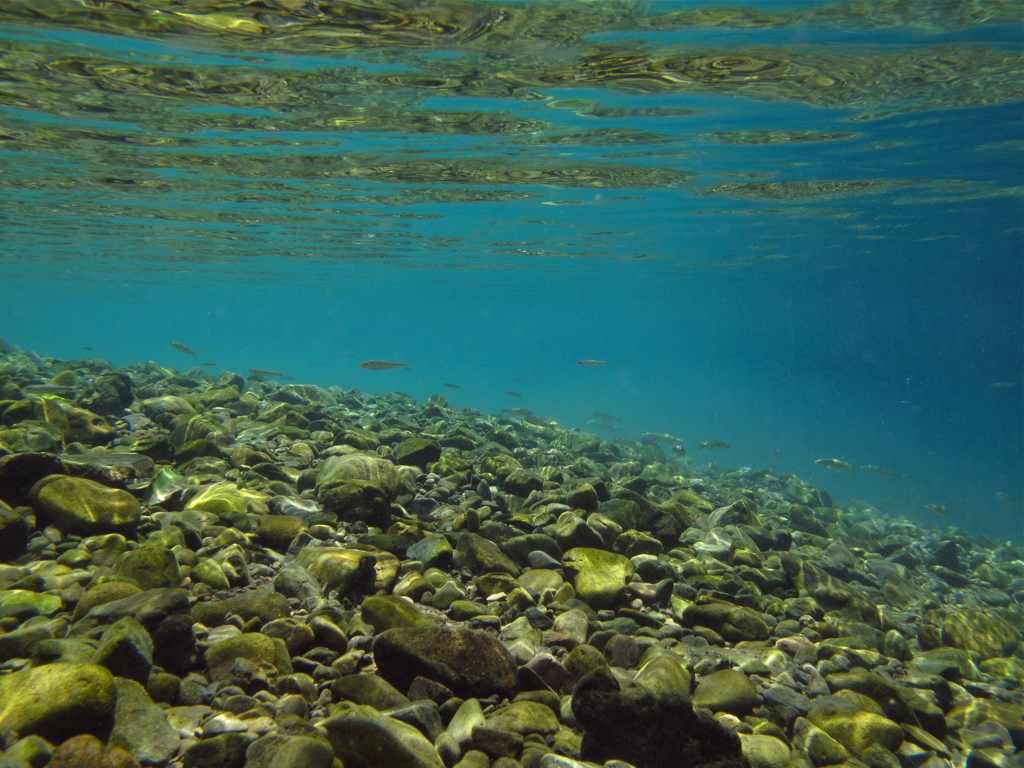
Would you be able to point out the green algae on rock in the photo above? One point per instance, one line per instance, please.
(84, 507)
(58, 700)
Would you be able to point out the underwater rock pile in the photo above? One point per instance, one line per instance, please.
(219, 572)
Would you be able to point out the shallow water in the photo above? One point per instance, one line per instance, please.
(796, 228)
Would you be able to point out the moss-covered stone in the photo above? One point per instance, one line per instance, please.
(857, 730)
(361, 736)
(979, 631)
(277, 531)
(252, 646)
(389, 612)
(361, 466)
(727, 690)
(470, 662)
(418, 451)
(150, 567)
(339, 570)
(480, 555)
(57, 701)
(225, 497)
(357, 499)
(263, 604)
(84, 507)
(599, 577)
(733, 622)
(102, 593)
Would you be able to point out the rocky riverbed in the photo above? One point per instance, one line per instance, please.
(212, 572)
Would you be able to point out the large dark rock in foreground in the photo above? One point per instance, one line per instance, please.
(648, 729)
(469, 661)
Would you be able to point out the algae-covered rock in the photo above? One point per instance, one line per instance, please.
(361, 466)
(857, 730)
(357, 499)
(600, 577)
(225, 497)
(836, 596)
(339, 570)
(263, 604)
(252, 646)
(109, 395)
(84, 507)
(480, 555)
(664, 672)
(105, 592)
(468, 661)
(389, 612)
(126, 649)
(364, 738)
(57, 701)
(141, 727)
(150, 567)
(14, 530)
(277, 531)
(976, 630)
(45, 604)
(733, 622)
(276, 750)
(727, 690)
(418, 451)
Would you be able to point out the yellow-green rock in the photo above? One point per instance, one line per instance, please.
(57, 701)
(857, 730)
(150, 567)
(45, 603)
(79, 506)
(599, 577)
(107, 592)
(389, 612)
(221, 498)
(339, 570)
(254, 647)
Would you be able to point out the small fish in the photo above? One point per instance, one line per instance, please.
(881, 472)
(603, 425)
(89, 348)
(182, 348)
(1003, 384)
(516, 412)
(46, 389)
(776, 455)
(657, 437)
(264, 372)
(938, 509)
(678, 450)
(835, 464)
(591, 362)
(513, 394)
(383, 365)
(715, 445)
(604, 416)
(207, 364)
(451, 386)
(540, 421)
(1013, 501)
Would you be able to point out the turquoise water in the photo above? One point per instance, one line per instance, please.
(797, 230)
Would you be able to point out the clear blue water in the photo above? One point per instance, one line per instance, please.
(880, 325)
